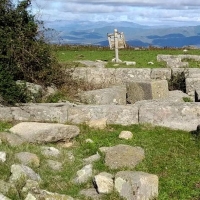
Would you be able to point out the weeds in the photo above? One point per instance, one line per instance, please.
(141, 57)
(171, 154)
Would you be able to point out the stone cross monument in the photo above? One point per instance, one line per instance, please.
(116, 41)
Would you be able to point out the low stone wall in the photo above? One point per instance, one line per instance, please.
(106, 77)
(176, 115)
(184, 116)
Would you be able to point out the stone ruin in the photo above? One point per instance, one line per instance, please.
(128, 96)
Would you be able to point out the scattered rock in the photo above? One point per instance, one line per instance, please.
(104, 149)
(8, 189)
(126, 135)
(92, 158)
(136, 185)
(65, 144)
(71, 156)
(84, 174)
(55, 165)
(98, 123)
(89, 141)
(130, 63)
(12, 139)
(43, 194)
(50, 152)
(91, 193)
(21, 173)
(27, 158)
(2, 156)
(29, 187)
(104, 183)
(123, 156)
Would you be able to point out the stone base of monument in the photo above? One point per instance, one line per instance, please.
(146, 90)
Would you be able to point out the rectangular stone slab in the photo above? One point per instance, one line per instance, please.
(183, 116)
(146, 90)
(115, 114)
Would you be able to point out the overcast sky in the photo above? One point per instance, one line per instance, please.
(146, 12)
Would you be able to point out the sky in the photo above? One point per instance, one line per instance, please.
(144, 12)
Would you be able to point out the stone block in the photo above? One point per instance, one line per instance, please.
(197, 95)
(193, 73)
(175, 115)
(145, 90)
(136, 185)
(101, 76)
(41, 112)
(45, 132)
(114, 95)
(115, 114)
(122, 155)
(124, 75)
(104, 183)
(191, 85)
(161, 73)
(6, 114)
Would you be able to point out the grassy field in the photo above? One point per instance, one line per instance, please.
(171, 154)
(141, 57)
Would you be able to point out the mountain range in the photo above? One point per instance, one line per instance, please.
(95, 33)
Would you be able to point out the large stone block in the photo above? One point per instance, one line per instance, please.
(191, 85)
(114, 114)
(183, 116)
(161, 73)
(101, 76)
(115, 95)
(45, 132)
(121, 156)
(193, 73)
(136, 185)
(124, 75)
(41, 112)
(6, 114)
(145, 90)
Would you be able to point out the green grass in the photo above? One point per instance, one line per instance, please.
(173, 155)
(141, 57)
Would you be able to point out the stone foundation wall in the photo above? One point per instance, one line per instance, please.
(176, 115)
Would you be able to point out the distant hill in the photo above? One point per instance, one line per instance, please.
(95, 33)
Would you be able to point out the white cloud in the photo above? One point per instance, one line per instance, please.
(148, 12)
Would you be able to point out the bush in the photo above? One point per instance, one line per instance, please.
(10, 91)
(24, 53)
(177, 82)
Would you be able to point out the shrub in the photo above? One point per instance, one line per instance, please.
(24, 52)
(177, 82)
(9, 90)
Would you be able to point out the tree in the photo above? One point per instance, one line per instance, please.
(24, 54)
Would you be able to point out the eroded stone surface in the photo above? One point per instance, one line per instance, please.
(176, 115)
(45, 132)
(136, 185)
(123, 156)
(115, 114)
